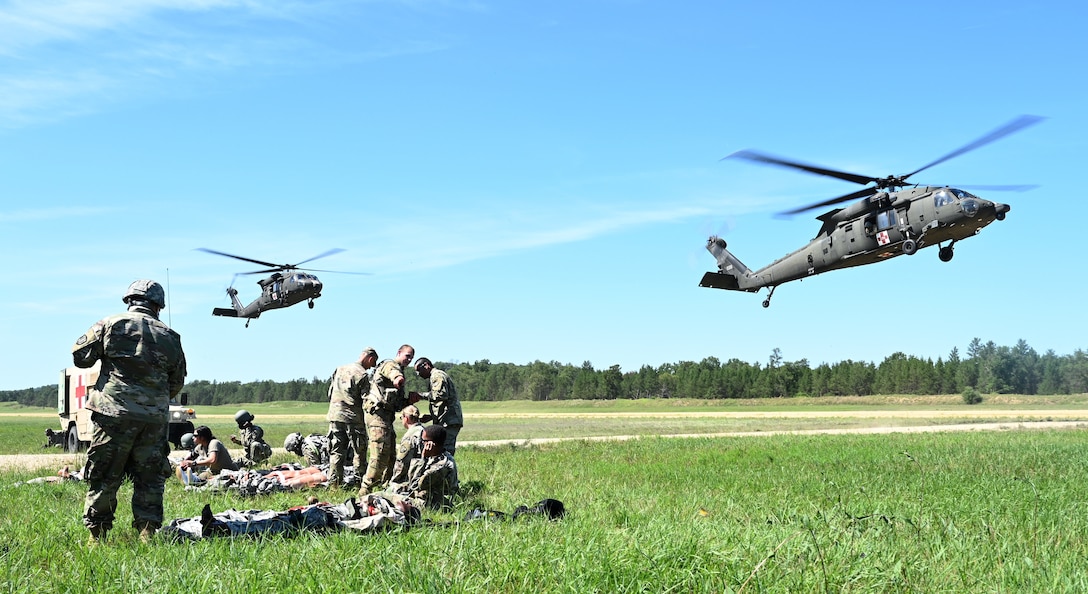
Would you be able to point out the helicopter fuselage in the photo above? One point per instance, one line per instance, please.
(880, 227)
(277, 291)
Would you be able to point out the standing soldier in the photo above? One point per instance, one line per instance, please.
(347, 429)
(143, 367)
(386, 397)
(252, 441)
(445, 407)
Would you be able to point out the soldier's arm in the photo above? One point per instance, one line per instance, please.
(88, 348)
(440, 390)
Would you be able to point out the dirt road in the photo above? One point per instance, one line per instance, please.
(50, 463)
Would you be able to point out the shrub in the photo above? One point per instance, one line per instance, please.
(971, 396)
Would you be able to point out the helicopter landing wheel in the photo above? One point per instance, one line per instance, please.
(909, 247)
(946, 254)
(310, 304)
(767, 301)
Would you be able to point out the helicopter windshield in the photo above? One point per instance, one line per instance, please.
(942, 197)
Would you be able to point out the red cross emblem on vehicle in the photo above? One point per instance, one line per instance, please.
(882, 238)
(81, 391)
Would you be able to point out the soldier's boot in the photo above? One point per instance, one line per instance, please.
(98, 535)
(147, 532)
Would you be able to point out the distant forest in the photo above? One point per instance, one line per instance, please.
(986, 367)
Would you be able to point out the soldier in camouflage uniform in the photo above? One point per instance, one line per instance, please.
(314, 447)
(410, 446)
(347, 429)
(143, 367)
(252, 441)
(444, 405)
(386, 397)
(432, 478)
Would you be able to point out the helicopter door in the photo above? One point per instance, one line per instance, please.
(887, 228)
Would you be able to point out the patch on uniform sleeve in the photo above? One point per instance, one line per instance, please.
(82, 340)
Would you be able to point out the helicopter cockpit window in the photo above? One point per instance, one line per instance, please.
(970, 207)
(886, 219)
(962, 194)
(943, 197)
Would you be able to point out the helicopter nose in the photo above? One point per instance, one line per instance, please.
(1001, 210)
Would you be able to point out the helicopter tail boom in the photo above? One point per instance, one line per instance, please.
(731, 270)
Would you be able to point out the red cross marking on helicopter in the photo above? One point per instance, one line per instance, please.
(882, 238)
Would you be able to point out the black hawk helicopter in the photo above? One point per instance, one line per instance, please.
(287, 286)
(884, 222)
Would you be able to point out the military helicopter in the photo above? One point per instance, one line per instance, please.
(887, 220)
(287, 286)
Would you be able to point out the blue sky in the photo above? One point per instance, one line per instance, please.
(525, 180)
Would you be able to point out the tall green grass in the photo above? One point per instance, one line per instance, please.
(953, 512)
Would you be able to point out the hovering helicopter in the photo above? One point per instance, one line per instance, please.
(884, 222)
(287, 286)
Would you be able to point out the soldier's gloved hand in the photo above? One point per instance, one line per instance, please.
(234, 438)
(426, 419)
(413, 397)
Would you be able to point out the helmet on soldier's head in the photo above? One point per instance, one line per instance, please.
(293, 443)
(147, 290)
(186, 441)
(242, 417)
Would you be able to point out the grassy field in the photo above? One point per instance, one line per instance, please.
(947, 512)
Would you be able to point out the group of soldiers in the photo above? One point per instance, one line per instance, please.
(364, 398)
(144, 367)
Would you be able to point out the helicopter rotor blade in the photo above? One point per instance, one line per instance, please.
(851, 196)
(1014, 126)
(322, 255)
(762, 158)
(337, 271)
(265, 271)
(262, 263)
(1000, 188)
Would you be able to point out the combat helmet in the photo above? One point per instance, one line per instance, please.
(147, 290)
(293, 443)
(187, 441)
(242, 417)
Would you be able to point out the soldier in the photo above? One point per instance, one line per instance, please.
(209, 453)
(444, 405)
(432, 478)
(314, 447)
(143, 367)
(347, 428)
(252, 441)
(385, 398)
(410, 445)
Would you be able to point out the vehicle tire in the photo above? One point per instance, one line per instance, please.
(909, 247)
(946, 254)
(71, 442)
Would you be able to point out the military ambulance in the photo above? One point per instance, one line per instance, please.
(75, 420)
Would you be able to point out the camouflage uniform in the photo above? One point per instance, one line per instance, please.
(253, 444)
(143, 367)
(347, 430)
(315, 449)
(411, 446)
(379, 407)
(445, 407)
(432, 480)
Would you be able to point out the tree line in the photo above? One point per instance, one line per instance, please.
(985, 367)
